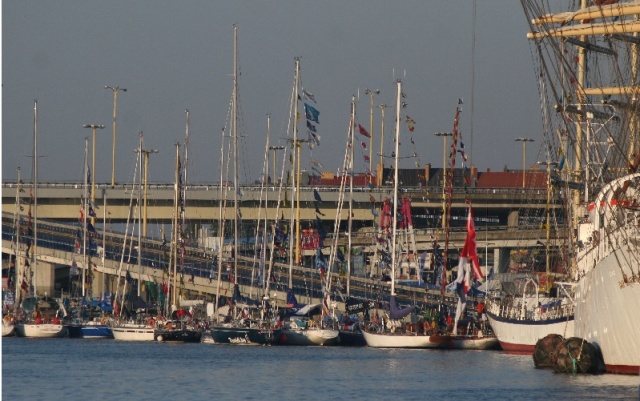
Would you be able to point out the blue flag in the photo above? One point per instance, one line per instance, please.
(317, 195)
(311, 127)
(311, 113)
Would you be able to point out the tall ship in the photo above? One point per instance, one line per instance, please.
(587, 66)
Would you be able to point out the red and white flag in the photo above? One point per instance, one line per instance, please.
(469, 250)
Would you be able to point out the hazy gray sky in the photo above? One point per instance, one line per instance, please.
(177, 55)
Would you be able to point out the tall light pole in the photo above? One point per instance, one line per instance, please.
(371, 94)
(444, 136)
(93, 163)
(146, 153)
(380, 178)
(275, 148)
(524, 158)
(115, 90)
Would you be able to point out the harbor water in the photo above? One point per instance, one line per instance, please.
(75, 369)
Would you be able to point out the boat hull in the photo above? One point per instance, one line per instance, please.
(519, 336)
(133, 332)
(243, 335)
(607, 314)
(8, 329)
(185, 336)
(46, 330)
(89, 331)
(386, 340)
(309, 336)
(352, 338)
(474, 343)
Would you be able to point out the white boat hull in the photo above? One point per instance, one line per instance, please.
(387, 340)
(8, 329)
(309, 336)
(474, 343)
(133, 332)
(608, 313)
(519, 336)
(46, 330)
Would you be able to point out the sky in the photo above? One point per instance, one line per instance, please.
(172, 56)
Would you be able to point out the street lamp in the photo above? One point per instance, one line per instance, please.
(382, 107)
(146, 153)
(93, 162)
(275, 148)
(371, 96)
(524, 158)
(444, 136)
(115, 90)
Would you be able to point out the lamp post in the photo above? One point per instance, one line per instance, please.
(93, 162)
(275, 148)
(380, 178)
(371, 94)
(146, 153)
(115, 90)
(444, 136)
(524, 158)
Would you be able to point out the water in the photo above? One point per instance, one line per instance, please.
(76, 369)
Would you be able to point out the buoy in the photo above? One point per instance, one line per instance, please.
(544, 355)
(578, 356)
(160, 338)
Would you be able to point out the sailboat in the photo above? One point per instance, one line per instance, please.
(472, 336)
(9, 319)
(38, 327)
(390, 335)
(97, 327)
(588, 72)
(138, 329)
(521, 320)
(250, 321)
(306, 328)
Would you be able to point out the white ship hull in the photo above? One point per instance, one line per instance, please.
(519, 336)
(133, 332)
(46, 330)
(387, 340)
(608, 314)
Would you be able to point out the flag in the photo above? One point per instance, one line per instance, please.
(316, 163)
(316, 195)
(321, 232)
(81, 215)
(366, 158)
(319, 212)
(91, 212)
(311, 127)
(364, 144)
(321, 261)
(363, 131)
(469, 250)
(311, 113)
(308, 95)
